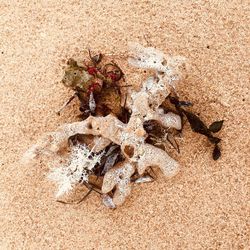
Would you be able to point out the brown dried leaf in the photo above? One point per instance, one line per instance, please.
(216, 152)
(109, 100)
(108, 201)
(216, 126)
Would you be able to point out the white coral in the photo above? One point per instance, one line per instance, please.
(79, 166)
(147, 58)
(119, 177)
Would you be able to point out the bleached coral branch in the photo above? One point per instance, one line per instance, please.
(119, 177)
(146, 58)
(79, 166)
(170, 68)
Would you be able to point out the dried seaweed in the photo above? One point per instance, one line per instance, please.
(96, 59)
(216, 152)
(198, 126)
(148, 176)
(112, 156)
(154, 128)
(216, 126)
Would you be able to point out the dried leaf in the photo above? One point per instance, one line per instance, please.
(159, 136)
(113, 71)
(109, 159)
(80, 139)
(216, 152)
(108, 201)
(216, 126)
(109, 100)
(172, 141)
(185, 103)
(197, 125)
(178, 103)
(92, 103)
(125, 115)
(144, 179)
(153, 127)
(110, 162)
(113, 147)
(214, 140)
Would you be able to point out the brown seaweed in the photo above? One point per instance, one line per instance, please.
(216, 126)
(198, 126)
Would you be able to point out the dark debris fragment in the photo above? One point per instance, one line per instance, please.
(216, 152)
(196, 124)
(216, 126)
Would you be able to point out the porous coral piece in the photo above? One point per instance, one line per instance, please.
(169, 120)
(107, 127)
(152, 156)
(118, 177)
(141, 107)
(168, 68)
(141, 57)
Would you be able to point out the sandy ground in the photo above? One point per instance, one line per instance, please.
(205, 206)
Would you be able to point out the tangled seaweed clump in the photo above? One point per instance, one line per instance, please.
(118, 143)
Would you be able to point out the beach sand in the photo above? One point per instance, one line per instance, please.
(205, 205)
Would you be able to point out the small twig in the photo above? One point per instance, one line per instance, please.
(84, 197)
(66, 103)
(76, 202)
(175, 144)
(93, 187)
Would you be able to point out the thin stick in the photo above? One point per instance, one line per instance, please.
(66, 104)
(93, 187)
(84, 197)
(77, 202)
(174, 145)
(90, 56)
